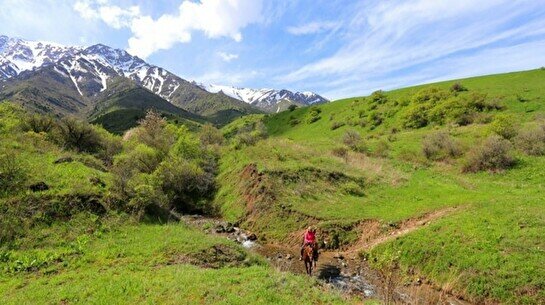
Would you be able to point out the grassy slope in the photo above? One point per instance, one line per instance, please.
(92, 259)
(491, 248)
(134, 264)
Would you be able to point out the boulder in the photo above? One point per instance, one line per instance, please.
(252, 237)
(39, 187)
(63, 160)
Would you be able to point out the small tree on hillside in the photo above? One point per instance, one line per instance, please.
(78, 135)
(210, 135)
(153, 131)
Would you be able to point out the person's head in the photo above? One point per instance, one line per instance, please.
(311, 229)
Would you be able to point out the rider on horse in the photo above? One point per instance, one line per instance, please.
(309, 238)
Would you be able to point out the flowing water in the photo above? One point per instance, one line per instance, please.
(349, 275)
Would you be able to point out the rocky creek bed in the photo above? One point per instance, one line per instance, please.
(344, 272)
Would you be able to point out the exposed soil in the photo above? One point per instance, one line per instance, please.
(218, 256)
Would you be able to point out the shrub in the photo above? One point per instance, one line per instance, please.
(294, 122)
(210, 135)
(250, 135)
(532, 141)
(337, 125)
(381, 149)
(439, 146)
(145, 195)
(430, 95)
(415, 116)
(186, 185)
(154, 131)
(39, 123)
(504, 126)
(352, 188)
(292, 107)
(379, 97)
(142, 158)
(341, 152)
(78, 135)
(375, 118)
(457, 87)
(13, 175)
(110, 145)
(313, 115)
(493, 154)
(353, 140)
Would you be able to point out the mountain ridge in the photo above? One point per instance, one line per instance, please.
(90, 69)
(267, 99)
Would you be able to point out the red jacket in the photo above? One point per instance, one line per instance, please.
(310, 237)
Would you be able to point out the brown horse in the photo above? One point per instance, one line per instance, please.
(308, 258)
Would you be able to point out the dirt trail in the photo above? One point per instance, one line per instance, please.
(372, 235)
(344, 269)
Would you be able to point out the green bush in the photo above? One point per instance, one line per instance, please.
(416, 116)
(353, 140)
(78, 135)
(341, 152)
(13, 174)
(210, 135)
(187, 186)
(292, 107)
(154, 131)
(504, 125)
(457, 87)
(313, 115)
(440, 146)
(250, 135)
(337, 125)
(379, 97)
(493, 154)
(352, 188)
(532, 141)
(39, 123)
(381, 149)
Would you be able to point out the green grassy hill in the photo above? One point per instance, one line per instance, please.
(360, 167)
(127, 103)
(442, 183)
(69, 235)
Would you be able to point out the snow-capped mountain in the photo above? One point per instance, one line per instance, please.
(267, 99)
(89, 68)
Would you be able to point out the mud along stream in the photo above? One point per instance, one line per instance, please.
(343, 271)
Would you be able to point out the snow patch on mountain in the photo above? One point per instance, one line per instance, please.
(90, 69)
(267, 99)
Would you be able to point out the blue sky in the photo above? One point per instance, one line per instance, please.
(336, 48)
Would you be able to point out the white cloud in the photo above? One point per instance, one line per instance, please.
(232, 79)
(385, 40)
(227, 57)
(216, 18)
(313, 28)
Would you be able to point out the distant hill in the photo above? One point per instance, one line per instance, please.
(269, 100)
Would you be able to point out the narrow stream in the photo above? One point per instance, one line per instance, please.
(347, 275)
